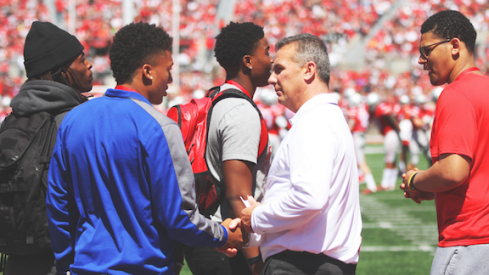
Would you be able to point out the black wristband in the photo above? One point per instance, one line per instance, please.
(254, 260)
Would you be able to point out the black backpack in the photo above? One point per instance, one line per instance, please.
(26, 145)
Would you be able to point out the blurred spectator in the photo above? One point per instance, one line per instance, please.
(339, 23)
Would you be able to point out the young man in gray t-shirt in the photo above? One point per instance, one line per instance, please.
(233, 142)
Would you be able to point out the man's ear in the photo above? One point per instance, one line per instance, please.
(310, 71)
(456, 45)
(68, 77)
(247, 61)
(147, 71)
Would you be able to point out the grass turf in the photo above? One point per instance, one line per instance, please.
(391, 258)
(386, 251)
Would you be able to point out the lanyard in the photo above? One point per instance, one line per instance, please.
(466, 72)
(232, 82)
(124, 88)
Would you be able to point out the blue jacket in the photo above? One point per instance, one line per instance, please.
(121, 190)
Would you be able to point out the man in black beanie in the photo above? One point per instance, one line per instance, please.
(57, 74)
(51, 53)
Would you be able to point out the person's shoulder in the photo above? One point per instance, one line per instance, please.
(139, 114)
(160, 118)
(477, 83)
(471, 80)
(235, 106)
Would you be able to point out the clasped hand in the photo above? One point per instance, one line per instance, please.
(416, 196)
(238, 230)
(236, 239)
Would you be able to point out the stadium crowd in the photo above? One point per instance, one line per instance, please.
(399, 37)
(401, 104)
(336, 22)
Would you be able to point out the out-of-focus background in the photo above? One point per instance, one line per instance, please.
(373, 44)
(373, 47)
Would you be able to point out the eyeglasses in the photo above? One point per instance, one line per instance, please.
(424, 51)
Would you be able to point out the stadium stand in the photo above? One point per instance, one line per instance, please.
(340, 23)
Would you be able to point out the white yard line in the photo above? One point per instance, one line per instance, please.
(426, 248)
(374, 149)
(420, 235)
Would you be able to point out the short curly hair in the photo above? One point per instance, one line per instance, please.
(449, 24)
(309, 48)
(235, 41)
(134, 45)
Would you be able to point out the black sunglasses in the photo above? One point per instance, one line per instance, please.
(424, 51)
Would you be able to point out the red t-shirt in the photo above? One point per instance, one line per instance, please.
(360, 115)
(383, 110)
(269, 117)
(461, 126)
(406, 112)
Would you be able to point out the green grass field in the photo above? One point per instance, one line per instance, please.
(399, 236)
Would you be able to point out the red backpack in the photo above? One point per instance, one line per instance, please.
(193, 119)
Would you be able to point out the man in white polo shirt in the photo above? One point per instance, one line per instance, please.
(309, 221)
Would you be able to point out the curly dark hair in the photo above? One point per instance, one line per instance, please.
(235, 41)
(449, 24)
(134, 45)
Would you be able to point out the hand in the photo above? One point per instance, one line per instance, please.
(416, 196)
(405, 178)
(246, 215)
(235, 240)
(424, 196)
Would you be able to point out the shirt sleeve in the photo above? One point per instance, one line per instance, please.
(173, 192)
(61, 209)
(456, 125)
(310, 160)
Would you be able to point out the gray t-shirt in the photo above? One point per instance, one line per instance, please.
(234, 134)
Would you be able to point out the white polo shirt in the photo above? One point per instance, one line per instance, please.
(311, 198)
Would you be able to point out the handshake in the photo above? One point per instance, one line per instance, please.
(239, 229)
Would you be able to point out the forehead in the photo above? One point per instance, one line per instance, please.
(78, 57)
(428, 38)
(164, 59)
(262, 43)
(284, 55)
(261, 46)
(77, 60)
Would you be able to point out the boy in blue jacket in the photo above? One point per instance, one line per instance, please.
(121, 190)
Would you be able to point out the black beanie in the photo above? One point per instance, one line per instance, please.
(48, 47)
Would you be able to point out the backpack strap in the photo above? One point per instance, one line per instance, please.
(59, 118)
(217, 96)
(178, 116)
(213, 91)
(3, 260)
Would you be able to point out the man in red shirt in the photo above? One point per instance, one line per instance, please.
(459, 142)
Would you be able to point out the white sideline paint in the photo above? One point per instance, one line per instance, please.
(419, 235)
(374, 150)
(425, 248)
